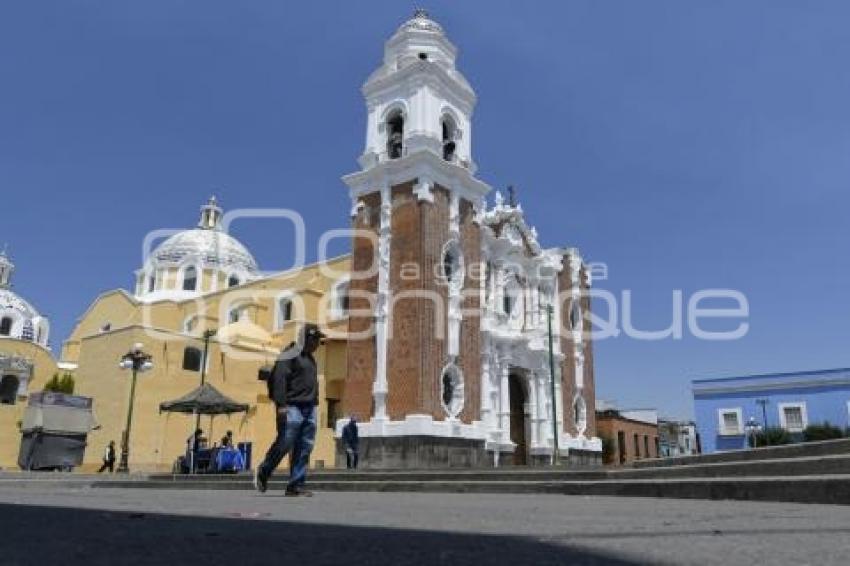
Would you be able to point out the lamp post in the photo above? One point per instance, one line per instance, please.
(209, 333)
(135, 360)
(752, 428)
(763, 402)
(549, 311)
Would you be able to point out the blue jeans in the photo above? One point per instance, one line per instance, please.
(296, 435)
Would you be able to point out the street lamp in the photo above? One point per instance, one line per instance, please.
(135, 360)
(752, 428)
(763, 403)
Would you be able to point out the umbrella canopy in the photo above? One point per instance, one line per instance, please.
(205, 400)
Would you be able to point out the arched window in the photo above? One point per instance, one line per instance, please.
(449, 133)
(28, 331)
(9, 389)
(284, 311)
(6, 326)
(233, 281)
(151, 283)
(191, 359)
(190, 323)
(236, 314)
(575, 316)
(341, 300)
(511, 295)
(453, 264)
(395, 134)
(190, 279)
(451, 382)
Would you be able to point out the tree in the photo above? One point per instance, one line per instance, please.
(607, 449)
(773, 436)
(824, 431)
(64, 384)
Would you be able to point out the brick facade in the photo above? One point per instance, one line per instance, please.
(357, 396)
(418, 317)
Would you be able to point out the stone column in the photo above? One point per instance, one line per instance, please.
(380, 388)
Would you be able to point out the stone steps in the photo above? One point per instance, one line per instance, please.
(820, 465)
(831, 489)
(802, 450)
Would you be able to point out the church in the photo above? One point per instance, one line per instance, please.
(26, 362)
(454, 337)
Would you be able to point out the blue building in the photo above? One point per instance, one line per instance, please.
(724, 406)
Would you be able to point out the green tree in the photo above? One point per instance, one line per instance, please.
(607, 450)
(773, 436)
(824, 431)
(64, 384)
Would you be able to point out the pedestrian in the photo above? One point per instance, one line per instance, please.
(227, 440)
(193, 448)
(108, 458)
(351, 442)
(294, 387)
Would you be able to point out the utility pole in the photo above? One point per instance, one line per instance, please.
(207, 335)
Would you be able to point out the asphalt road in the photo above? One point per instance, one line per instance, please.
(52, 524)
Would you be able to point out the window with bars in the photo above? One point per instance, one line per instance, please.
(730, 421)
(793, 417)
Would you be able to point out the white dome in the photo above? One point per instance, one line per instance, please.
(18, 318)
(210, 248)
(11, 301)
(194, 254)
(421, 22)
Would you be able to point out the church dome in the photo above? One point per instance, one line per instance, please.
(18, 318)
(212, 248)
(197, 260)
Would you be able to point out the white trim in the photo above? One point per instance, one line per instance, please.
(803, 415)
(721, 424)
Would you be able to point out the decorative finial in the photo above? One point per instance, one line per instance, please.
(420, 13)
(210, 215)
(4, 250)
(499, 199)
(511, 196)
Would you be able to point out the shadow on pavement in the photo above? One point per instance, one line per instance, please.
(36, 535)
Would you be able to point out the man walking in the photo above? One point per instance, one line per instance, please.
(294, 387)
(351, 442)
(108, 458)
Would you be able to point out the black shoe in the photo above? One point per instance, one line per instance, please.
(261, 482)
(297, 492)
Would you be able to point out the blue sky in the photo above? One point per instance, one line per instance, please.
(688, 145)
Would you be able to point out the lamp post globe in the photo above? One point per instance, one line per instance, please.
(136, 360)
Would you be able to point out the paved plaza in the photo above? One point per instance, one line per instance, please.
(47, 524)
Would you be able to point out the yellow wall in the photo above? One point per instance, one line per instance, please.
(236, 354)
(44, 366)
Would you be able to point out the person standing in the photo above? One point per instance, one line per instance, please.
(108, 458)
(293, 385)
(351, 442)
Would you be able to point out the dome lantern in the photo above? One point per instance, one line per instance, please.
(6, 269)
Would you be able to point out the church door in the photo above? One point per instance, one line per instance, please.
(518, 421)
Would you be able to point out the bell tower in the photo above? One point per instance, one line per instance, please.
(414, 364)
